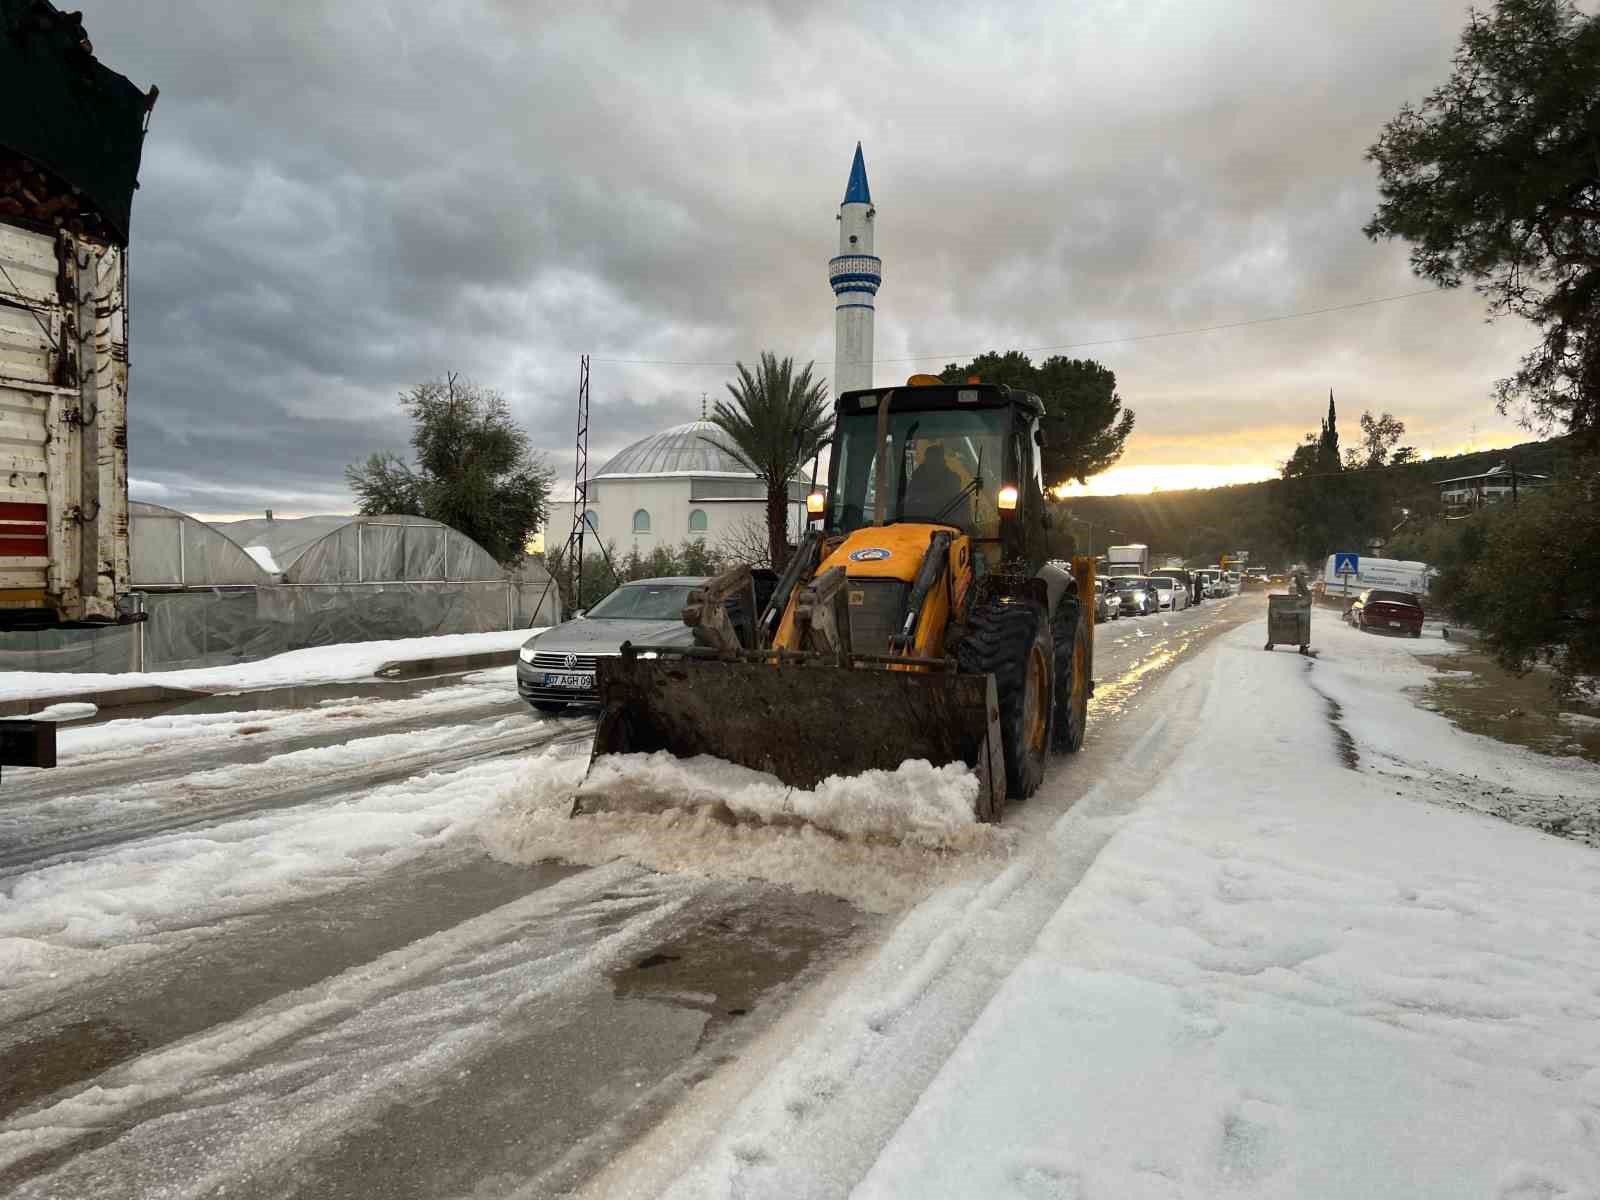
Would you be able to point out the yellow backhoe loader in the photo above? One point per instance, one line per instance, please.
(918, 619)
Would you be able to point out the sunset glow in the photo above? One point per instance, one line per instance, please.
(1121, 481)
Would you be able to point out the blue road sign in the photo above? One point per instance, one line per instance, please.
(1345, 564)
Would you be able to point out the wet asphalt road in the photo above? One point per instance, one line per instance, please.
(451, 1025)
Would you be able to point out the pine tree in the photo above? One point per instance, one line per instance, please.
(475, 469)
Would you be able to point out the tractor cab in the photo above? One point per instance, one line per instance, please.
(965, 456)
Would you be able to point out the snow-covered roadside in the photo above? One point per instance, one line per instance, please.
(318, 664)
(1261, 973)
(1374, 680)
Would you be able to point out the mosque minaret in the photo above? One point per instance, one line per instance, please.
(855, 273)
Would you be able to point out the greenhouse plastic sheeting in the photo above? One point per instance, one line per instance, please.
(537, 603)
(384, 550)
(328, 615)
(171, 550)
(209, 627)
(108, 650)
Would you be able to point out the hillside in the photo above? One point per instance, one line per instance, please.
(1284, 520)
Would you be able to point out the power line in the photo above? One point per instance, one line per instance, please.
(1135, 337)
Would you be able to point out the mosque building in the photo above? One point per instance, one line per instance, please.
(679, 484)
(674, 486)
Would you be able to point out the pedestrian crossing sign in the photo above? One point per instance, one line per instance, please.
(1345, 564)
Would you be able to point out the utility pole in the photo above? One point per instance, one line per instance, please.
(1090, 525)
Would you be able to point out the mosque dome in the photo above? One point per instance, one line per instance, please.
(681, 450)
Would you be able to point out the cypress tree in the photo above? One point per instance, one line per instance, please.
(1328, 443)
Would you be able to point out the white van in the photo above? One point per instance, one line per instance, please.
(1394, 574)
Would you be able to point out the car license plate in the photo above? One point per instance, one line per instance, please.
(1396, 624)
(552, 679)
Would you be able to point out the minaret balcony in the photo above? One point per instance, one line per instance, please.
(855, 272)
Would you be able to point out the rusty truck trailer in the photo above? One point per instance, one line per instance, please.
(71, 133)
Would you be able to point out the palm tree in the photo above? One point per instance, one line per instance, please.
(777, 423)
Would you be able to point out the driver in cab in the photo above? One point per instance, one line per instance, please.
(935, 492)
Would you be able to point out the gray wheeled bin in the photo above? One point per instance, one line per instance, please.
(1289, 622)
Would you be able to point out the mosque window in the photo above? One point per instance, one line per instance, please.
(592, 520)
(641, 521)
(697, 521)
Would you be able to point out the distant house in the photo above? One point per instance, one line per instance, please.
(1468, 493)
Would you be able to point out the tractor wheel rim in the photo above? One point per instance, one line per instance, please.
(1038, 701)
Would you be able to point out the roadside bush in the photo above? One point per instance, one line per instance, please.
(1527, 577)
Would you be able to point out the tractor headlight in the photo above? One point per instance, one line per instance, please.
(815, 503)
(1007, 499)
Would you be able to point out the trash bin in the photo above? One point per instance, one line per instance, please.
(1289, 622)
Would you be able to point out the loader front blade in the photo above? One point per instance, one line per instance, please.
(803, 723)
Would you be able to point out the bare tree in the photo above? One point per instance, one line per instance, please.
(745, 542)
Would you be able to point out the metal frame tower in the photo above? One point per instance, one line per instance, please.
(573, 550)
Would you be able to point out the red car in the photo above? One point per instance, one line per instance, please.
(1390, 612)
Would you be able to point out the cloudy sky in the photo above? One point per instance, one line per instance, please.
(342, 197)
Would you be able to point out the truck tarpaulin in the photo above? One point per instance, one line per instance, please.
(68, 114)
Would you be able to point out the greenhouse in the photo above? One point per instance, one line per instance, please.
(240, 591)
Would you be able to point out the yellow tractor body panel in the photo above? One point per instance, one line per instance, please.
(805, 720)
(895, 552)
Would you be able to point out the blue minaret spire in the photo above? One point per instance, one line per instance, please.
(855, 273)
(857, 191)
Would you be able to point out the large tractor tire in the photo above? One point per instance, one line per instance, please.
(1074, 674)
(1012, 642)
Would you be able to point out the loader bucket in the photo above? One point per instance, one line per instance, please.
(802, 723)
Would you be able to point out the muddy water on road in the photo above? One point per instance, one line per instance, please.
(470, 1062)
(1482, 697)
(554, 1103)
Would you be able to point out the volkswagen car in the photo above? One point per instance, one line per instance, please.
(555, 668)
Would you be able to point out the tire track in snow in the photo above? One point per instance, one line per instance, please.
(240, 739)
(528, 1042)
(257, 787)
(100, 1023)
(514, 957)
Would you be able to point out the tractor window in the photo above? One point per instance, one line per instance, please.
(943, 466)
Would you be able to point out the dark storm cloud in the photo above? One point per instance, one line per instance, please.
(341, 199)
